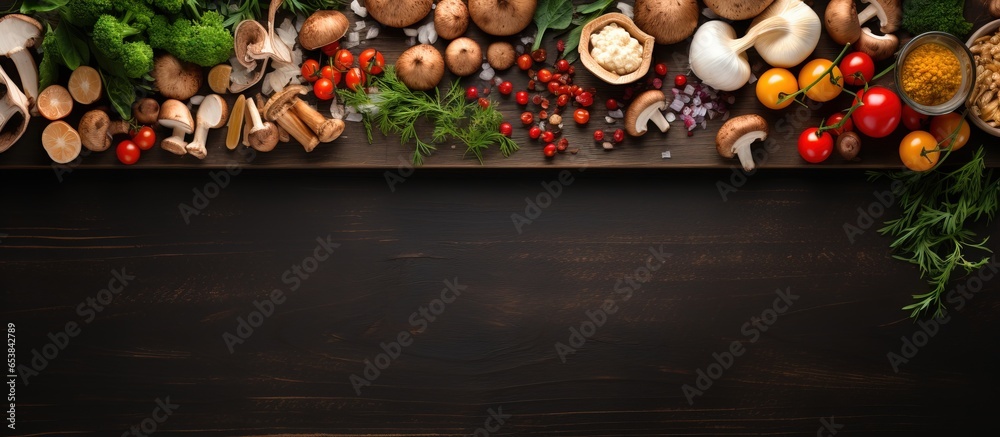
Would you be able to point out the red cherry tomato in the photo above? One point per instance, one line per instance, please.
(506, 129)
(562, 65)
(323, 89)
(145, 138)
(535, 132)
(834, 119)
(371, 61)
(544, 75)
(521, 97)
(471, 93)
(813, 147)
(331, 49)
(483, 102)
(880, 113)
(680, 80)
(524, 61)
(549, 150)
(310, 70)
(505, 88)
(343, 59)
(858, 68)
(331, 73)
(661, 69)
(527, 118)
(581, 116)
(611, 104)
(598, 135)
(914, 120)
(128, 152)
(354, 79)
(548, 136)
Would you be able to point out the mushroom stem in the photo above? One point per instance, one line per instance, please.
(294, 126)
(176, 137)
(661, 122)
(254, 114)
(29, 78)
(197, 146)
(743, 151)
(867, 13)
(327, 129)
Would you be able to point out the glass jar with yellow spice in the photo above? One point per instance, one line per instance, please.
(934, 73)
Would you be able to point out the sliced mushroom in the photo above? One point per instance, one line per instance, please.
(14, 113)
(643, 109)
(263, 135)
(451, 18)
(420, 67)
(463, 56)
(321, 28)
(251, 43)
(736, 136)
(667, 22)
(18, 33)
(502, 17)
(398, 13)
(212, 114)
(175, 115)
(93, 129)
(738, 10)
(282, 52)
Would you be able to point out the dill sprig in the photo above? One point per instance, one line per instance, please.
(931, 232)
(396, 109)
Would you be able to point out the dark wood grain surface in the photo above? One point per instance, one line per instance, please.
(353, 151)
(492, 347)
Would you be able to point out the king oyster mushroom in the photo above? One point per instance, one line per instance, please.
(668, 22)
(398, 13)
(420, 67)
(502, 17)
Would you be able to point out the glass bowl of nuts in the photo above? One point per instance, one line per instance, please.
(935, 73)
(614, 49)
(984, 102)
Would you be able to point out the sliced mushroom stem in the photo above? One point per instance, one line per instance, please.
(175, 142)
(745, 153)
(254, 114)
(29, 79)
(327, 129)
(298, 130)
(867, 13)
(659, 120)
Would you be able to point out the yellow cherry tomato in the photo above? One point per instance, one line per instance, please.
(943, 126)
(824, 90)
(774, 84)
(911, 151)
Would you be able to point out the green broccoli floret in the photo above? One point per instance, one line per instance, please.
(136, 12)
(921, 16)
(171, 6)
(205, 42)
(135, 57)
(84, 13)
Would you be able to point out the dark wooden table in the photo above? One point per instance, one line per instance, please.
(494, 346)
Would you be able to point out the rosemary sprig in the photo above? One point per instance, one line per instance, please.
(396, 109)
(931, 232)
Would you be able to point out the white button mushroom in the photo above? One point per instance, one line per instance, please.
(736, 135)
(645, 108)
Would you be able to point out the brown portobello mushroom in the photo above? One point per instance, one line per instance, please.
(451, 18)
(644, 108)
(738, 10)
(667, 21)
(420, 67)
(146, 110)
(93, 130)
(321, 28)
(463, 56)
(502, 17)
(398, 13)
(845, 25)
(500, 55)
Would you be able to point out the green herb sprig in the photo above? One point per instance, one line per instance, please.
(396, 109)
(937, 207)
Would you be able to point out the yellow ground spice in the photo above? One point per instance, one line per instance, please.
(931, 74)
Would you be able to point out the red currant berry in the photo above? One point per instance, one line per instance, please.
(561, 45)
(483, 103)
(562, 144)
(598, 135)
(549, 150)
(548, 136)
(619, 136)
(661, 69)
(535, 132)
(471, 93)
(680, 80)
(562, 100)
(562, 65)
(585, 98)
(611, 104)
(506, 129)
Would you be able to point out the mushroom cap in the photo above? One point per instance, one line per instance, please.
(398, 13)
(93, 130)
(463, 56)
(176, 79)
(264, 139)
(841, 19)
(174, 114)
(879, 47)
(281, 101)
(250, 38)
(633, 115)
(502, 17)
(420, 67)
(738, 10)
(321, 28)
(146, 110)
(214, 111)
(736, 135)
(500, 55)
(451, 18)
(18, 31)
(668, 22)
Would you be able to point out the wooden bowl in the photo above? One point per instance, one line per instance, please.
(626, 23)
(988, 28)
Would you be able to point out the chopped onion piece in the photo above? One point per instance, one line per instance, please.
(196, 100)
(354, 116)
(372, 32)
(626, 9)
(409, 31)
(617, 113)
(359, 10)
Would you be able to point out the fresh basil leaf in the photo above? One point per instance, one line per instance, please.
(552, 14)
(48, 71)
(33, 6)
(572, 41)
(599, 5)
(67, 48)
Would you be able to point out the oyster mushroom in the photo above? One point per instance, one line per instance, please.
(18, 33)
(451, 18)
(463, 56)
(736, 135)
(398, 13)
(645, 108)
(502, 17)
(420, 67)
(321, 28)
(667, 22)
(176, 116)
